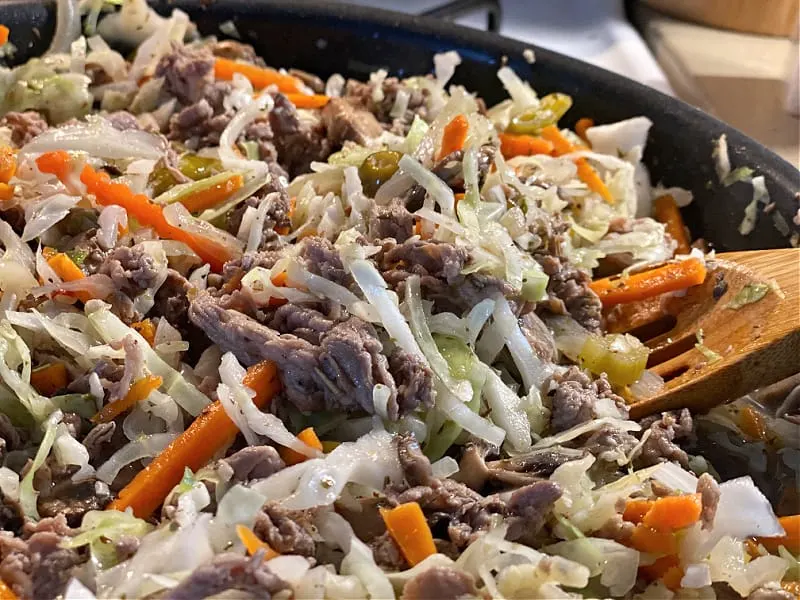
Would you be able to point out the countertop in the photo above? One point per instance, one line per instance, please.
(737, 77)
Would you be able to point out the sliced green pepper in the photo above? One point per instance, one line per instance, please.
(377, 169)
(551, 108)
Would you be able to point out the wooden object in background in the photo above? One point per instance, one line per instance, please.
(767, 17)
(758, 343)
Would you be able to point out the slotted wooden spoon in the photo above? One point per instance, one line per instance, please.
(758, 343)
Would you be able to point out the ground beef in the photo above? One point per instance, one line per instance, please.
(171, 302)
(391, 221)
(381, 104)
(617, 529)
(609, 443)
(414, 380)
(660, 446)
(306, 323)
(131, 269)
(298, 144)
(122, 120)
(569, 292)
(387, 553)
(187, 72)
(528, 509)
(24, 126)
(344, 121)
(37, 567)
(440, 583)
(709, 492)
(11, 516)
(287, 532)
(254, 462)
(276, 218)
(234, 50)
(59, 495)
(416, 466)
(96, 440)
(539, 337)
(575, 396)
(230, 572)
(771, 591)
(321, 258)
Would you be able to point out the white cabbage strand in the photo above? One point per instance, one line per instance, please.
(68, 27)
(147, 446)
(249, 113)
(46, 213)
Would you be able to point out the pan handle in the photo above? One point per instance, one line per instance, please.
(458, 8)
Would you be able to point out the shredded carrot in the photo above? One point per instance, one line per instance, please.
(791, 541)
(146, 329)
(589, 176)
(213, 195)
(6, 191)
(253, 543)
(138, 206)
(454, 136)
(4, 31)
(459, 196)
(308, 101)
(407, 525)
(581, 126)
(139, 390)
(671, 513)
(752, 423)
(307, 436)
(645, 539)
(640, 286)
(635, 510)
(66, 268)
(666, 211)
(280, 279)
(49, 379)
(8, 164)
(586, 172)
(512, 145)
(211, 431)
(260, 77)
(6, 593)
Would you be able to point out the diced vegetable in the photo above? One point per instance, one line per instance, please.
(407, 525)
(454, 136)
(791, 541)
(512, 144)
(253, 543)
(139, 390)
(640, 286)
(673, 512)
(260, 77)
(65, 268)
(377, 169)
(307, 436)
(666, 211)
(308, 100)
(8, 164)
(620, 356)
(49, 379)
(549, 111)
(209, 432)
(146, 329)
(6, 191)
(646, 539)
(635, 510)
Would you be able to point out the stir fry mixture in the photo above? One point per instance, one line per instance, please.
(264, 335)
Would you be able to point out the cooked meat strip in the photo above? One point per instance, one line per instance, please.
(440, 583)
(575, 397)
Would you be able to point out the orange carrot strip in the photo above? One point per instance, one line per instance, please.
(138, 206)
(673, 512)
(667, 212)
(146, 329)
(260, 77)
(512, 145)
(66, 268)
(6, 191)
(561, 145)
(308, 101)
(4, 31)
(407, 525)
(6, 593)
(635, 510)
(791, 541)
(213, 195)
(307, 436)
(581, 126)
(49, 379)
(640, 286)
(210, 431)
(752, 423)
(645, 539)
(8, 164)
(253, 543)
(454, 136)
(139, 390)
(590, 177)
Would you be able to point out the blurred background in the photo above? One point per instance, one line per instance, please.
(735, 59)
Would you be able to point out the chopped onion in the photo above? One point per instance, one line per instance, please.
(97, 137)
(464, 417)
(587, 427)
(147, 446)
(400, 105)
(533, 370)
(68, 27)
(507, 411)
(235, 128)
(696, 576)
(649, 384)
(111, 220)
(381, 395)
(47, 212)
(256, 231)
(444, 65)
(444, 467)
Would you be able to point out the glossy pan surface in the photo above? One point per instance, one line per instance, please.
(325, 38)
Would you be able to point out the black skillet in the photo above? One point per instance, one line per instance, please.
(326, 38)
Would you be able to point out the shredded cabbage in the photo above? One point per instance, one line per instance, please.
(27, 493)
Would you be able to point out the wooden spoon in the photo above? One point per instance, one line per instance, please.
(755, 345)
